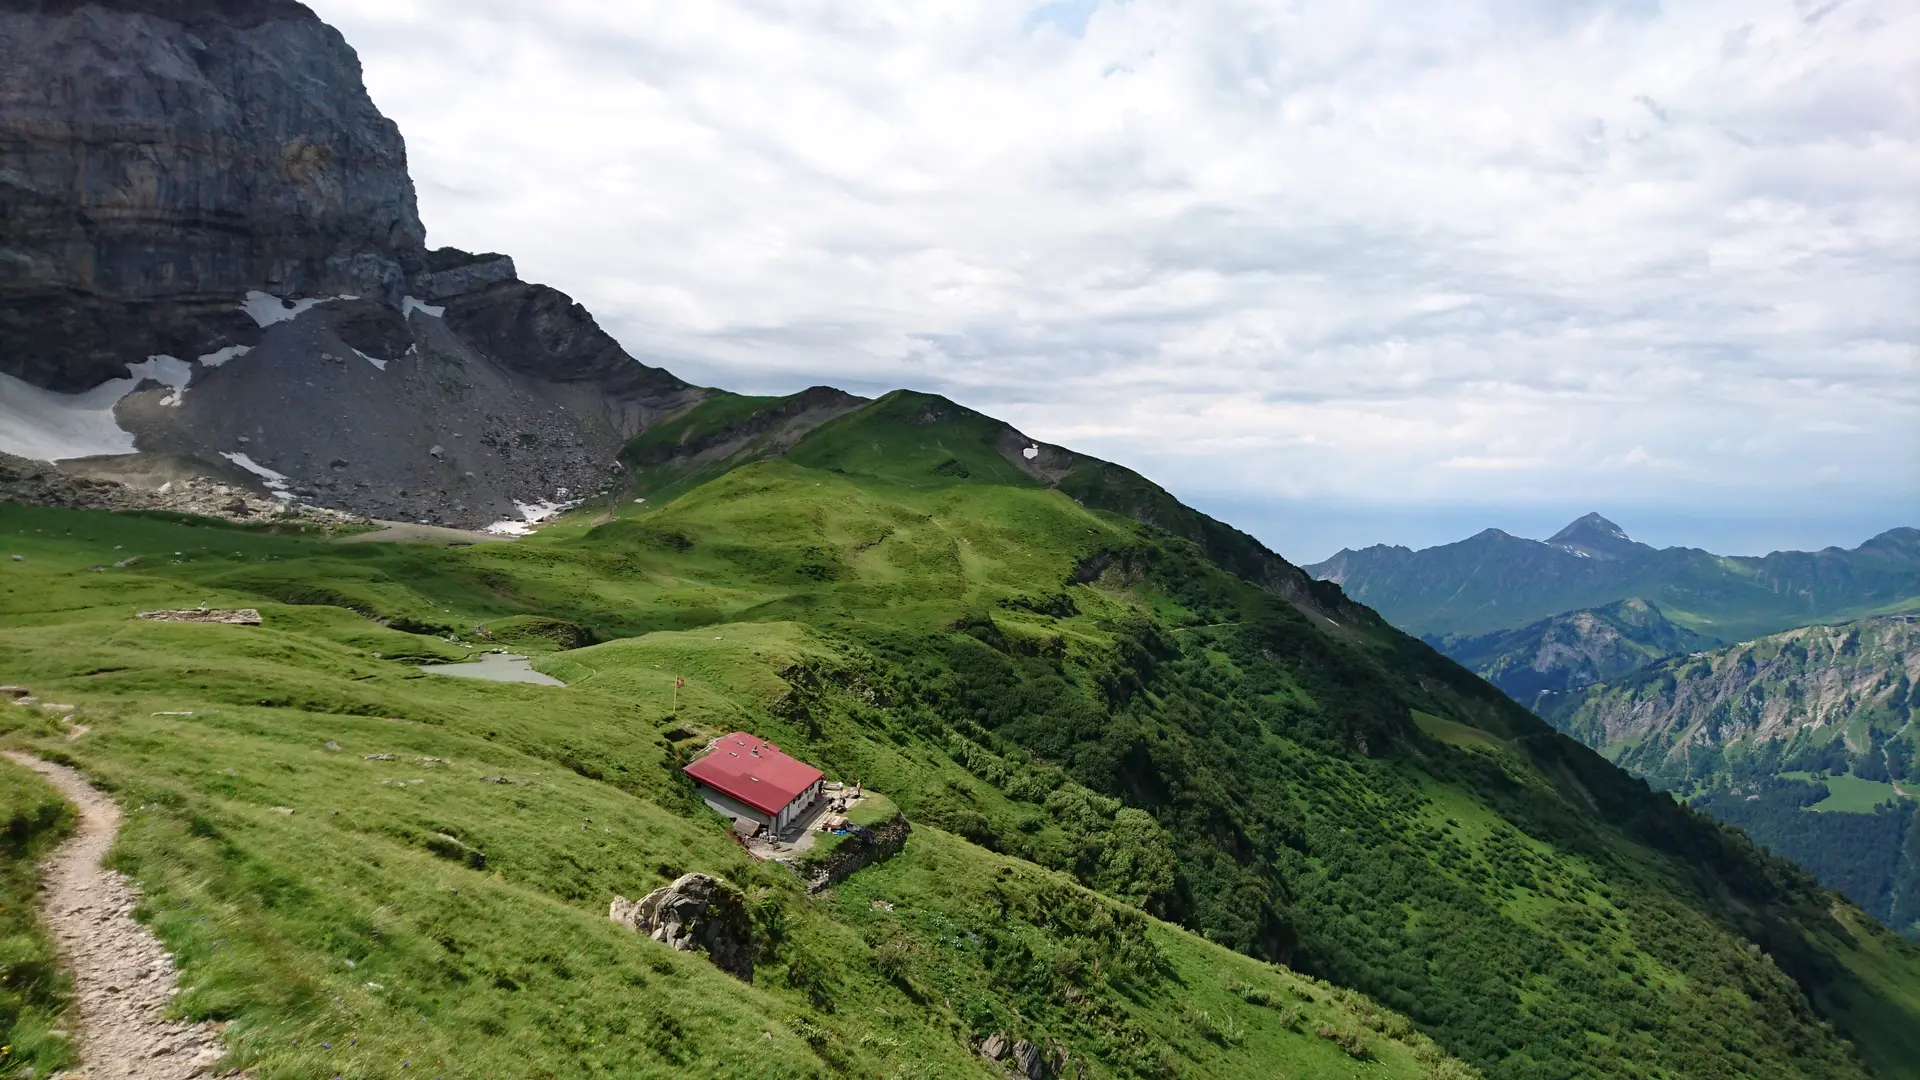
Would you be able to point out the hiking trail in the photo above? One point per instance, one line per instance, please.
(122, 976)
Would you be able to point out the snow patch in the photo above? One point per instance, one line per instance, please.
(1030, 453)
(531, 515)
(381, 364)
(276, 482)
(409, 305)
(255, 468)
(266, 309)
(48, 426)
(168, 370)
(231, 352)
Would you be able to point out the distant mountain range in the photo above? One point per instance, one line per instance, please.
(1565, 652)
(1497, 581)
(1805, 739)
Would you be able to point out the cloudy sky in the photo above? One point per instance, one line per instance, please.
(1340, 272)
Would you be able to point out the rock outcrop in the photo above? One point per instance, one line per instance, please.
(696, 912)
(226, 616)
(209, 249)
(1022, 1060)
(1855, 678)
(451, 272)
(152, 482)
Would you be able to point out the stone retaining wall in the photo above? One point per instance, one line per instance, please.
(854, 853)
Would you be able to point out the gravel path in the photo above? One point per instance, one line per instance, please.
(122, 975)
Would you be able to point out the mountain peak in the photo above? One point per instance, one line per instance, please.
(1590, 525)
(1595, 537)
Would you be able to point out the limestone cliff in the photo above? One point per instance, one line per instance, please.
(1819, 692)
(209, 250)
(160, 159)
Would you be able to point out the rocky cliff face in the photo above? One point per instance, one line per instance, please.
(209, 249)
(162, 158)
(1845, 686)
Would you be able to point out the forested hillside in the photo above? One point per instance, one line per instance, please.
(1858, 840)
(1136, 701)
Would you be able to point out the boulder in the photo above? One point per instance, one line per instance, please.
(697, 911)
(231, 616)
(994, 1047)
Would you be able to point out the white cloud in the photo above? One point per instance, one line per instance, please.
(1484, 250)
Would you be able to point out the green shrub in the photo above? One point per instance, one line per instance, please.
(33, 990)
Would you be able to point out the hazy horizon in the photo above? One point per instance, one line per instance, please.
(1309, 532)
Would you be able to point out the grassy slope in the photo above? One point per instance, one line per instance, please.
(362, 931)
(720, 432)
(895, 602)
(33, 818)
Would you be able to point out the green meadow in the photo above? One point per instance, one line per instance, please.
(1850, 794)
(1170, 818)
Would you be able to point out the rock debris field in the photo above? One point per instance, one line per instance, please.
(123, 977)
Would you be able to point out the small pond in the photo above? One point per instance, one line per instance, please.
(495, 667)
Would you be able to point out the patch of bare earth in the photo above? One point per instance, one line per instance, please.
(123, 977)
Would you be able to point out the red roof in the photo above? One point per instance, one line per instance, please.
(754, 771)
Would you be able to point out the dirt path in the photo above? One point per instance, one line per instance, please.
(122, 976)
